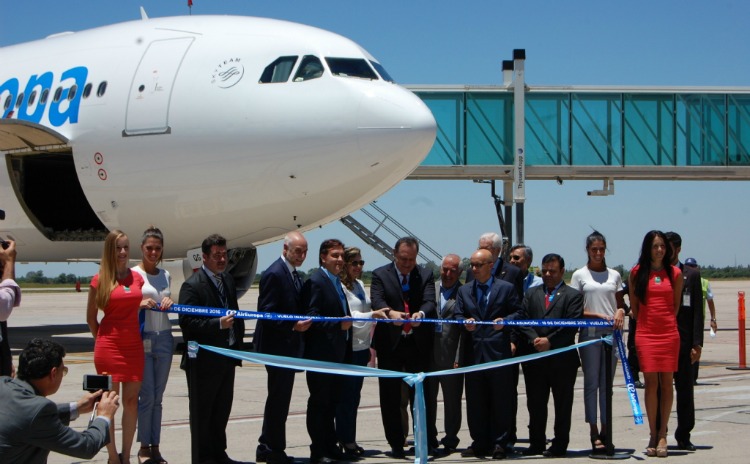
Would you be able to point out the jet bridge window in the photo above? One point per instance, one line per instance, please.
(310, 68)
(351, 67)
(279, 70)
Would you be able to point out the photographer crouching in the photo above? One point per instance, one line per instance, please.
(31, 426)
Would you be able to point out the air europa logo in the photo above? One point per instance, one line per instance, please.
(38, 98)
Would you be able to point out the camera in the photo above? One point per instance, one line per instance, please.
(92, 383)
(4, 244)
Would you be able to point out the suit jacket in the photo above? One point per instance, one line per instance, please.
(504, 271)
(325, 341)
(690, 316)
(278, 295)
(31, 426)
(199, 290)
(567, 304)
(447, 350)
(488, 344)
(10, 297)
(385, 291)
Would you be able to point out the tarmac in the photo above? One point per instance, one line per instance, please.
(722, 396)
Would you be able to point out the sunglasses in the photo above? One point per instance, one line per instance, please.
(361, 262)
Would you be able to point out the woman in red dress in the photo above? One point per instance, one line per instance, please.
(655, 291)
(118, 347)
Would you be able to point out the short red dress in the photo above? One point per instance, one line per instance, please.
(118, 350)
(657, 340)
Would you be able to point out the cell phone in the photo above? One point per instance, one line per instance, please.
(92, 382)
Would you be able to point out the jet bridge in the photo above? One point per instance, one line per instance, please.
(583, 132)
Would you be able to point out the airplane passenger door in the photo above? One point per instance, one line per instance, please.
(151, 89)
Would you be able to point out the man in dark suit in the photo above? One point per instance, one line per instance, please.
(280, 292)
(10, 297)
(323, 295)
(551, 300)
(690, 326)
(408, 291)
(31, 425)
(492, 242)
(447, 354)
(488, 392)
(211, 386)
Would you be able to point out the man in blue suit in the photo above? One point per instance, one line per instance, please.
(324, 296)
(280, 293)
(488, 392)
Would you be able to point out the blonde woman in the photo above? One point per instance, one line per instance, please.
(118, 347)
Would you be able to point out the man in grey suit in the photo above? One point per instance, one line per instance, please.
(446, 355)
(211, 375)
(555, 374)
(31, 425)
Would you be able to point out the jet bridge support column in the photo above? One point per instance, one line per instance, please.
(519, 122)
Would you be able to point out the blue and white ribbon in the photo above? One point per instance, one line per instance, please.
(630, 385)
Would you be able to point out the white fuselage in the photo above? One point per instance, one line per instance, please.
(185, 136)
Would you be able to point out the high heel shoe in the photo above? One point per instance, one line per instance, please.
(651, 448)
(661, 448)
(597, 444)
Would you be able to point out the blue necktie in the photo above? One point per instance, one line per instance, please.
(483, 289)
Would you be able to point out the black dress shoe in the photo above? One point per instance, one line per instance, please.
(685, 445)
(498, 452)
(321, 460)
(472, 452)
(553, 452)
(639, 384)
(533, 451)
(397, 453)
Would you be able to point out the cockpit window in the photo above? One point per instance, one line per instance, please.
(351, 67)
(279, 70)
(381, 70)
(310, 68)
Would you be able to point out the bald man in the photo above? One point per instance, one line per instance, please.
(280, 292)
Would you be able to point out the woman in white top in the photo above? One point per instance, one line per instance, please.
(598, 283)
(359, 305)
(157, 344)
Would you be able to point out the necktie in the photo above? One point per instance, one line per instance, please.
(547, 299)
(297, 280)
(223, 297)
(406, 328)
(483, 290)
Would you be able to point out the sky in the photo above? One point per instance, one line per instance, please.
(575, 42)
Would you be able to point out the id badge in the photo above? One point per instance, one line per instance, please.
(686, 299)
(147, 345)
(439, 328)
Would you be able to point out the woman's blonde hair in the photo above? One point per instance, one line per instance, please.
(349, 254)
(108, 268)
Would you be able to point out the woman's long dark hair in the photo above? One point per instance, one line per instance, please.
(644, 263)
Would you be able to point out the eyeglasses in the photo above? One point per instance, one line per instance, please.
(515, 257)
(361, 262)
(478, 264)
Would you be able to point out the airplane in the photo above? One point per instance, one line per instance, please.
(249, 127)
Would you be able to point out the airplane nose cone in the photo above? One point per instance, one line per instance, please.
(395, 127)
